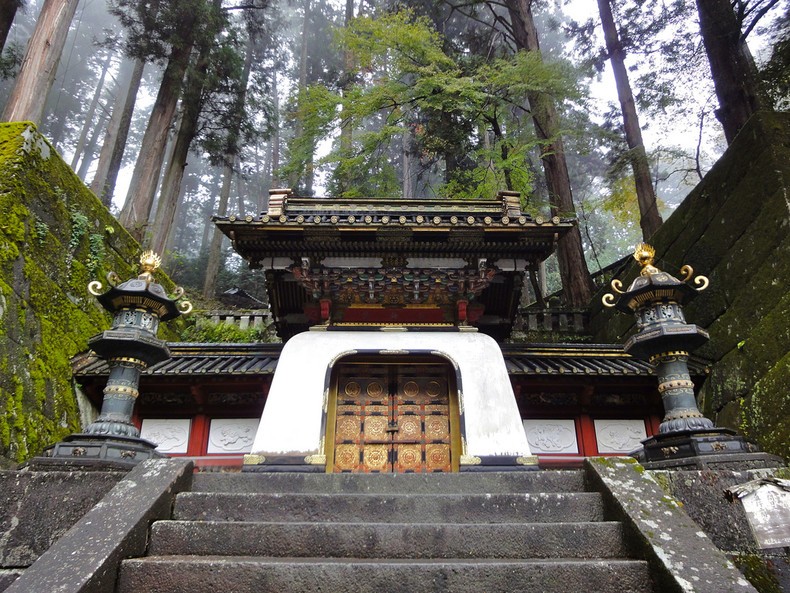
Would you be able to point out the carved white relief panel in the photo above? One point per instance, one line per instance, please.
(551, 436)
(619, 436)
(170, 434)
(232, 435)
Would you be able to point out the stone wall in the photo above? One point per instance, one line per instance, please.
(724, 521)
(55, 237)
(734, 227)
(36, 508)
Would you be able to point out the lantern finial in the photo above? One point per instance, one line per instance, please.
(645, 254)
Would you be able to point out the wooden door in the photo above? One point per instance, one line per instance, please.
(392, 418)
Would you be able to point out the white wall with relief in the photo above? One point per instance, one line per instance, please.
(551, 436)
(170, 434)
(232, 435)
(619, 436)
(291, 421)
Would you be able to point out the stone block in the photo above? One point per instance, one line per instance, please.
(36, 508)
(86, 558)
(681, 554)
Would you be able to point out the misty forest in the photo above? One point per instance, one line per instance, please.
(172, 111)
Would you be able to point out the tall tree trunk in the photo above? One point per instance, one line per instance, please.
(274, 158)
(90, 148)
(91, 113)
(208, 212)
(174, 172)
(731, 66)
(215, 250)
(346, 121)
(504, 153)
(181, 237)
(650, 219)
(136, 210)
(161, 225)
(40, 63)
(307, 173)
(576, 282)
(8, 10)
(240, 187)
(408, 158)
(111, 156)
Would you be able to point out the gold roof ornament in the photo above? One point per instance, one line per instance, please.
(653, 283)
(149, 263)
(144, 286)
(644, 254)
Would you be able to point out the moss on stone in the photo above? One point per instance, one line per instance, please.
(734, 227)
(767, 409)
(54, 240)
(753, 567)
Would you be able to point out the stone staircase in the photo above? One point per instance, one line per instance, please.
(476, 532)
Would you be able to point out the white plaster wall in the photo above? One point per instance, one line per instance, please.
(291, 420)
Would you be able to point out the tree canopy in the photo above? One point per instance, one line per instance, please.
(423, 99)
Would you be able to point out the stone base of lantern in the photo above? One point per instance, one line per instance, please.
(95, 452)
(717, 448)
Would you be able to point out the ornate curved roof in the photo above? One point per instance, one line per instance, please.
(374, 261)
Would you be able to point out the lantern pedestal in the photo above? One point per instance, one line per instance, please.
(89, 451)
(112, 441)
(719, 448)
(686, 439)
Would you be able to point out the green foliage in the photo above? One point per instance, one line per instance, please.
(96, 253)
(47, 316)
(621, 203)
(154, 28)
(465, 111)
(40, 229)
(79, 226)
(205, 330)
(775, 73)
(493, 171)
(10, 59)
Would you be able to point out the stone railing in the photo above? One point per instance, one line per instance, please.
(553, 320)
(256, 318)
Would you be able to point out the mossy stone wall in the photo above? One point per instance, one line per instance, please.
(734, 228)
(55, 237)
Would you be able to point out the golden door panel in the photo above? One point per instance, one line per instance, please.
(375, 429)
(409, 458)
(348, 429)
(437, 428)
(437, 458)
(409, 429)
(392, 418)
(346, 458)
(376, 458)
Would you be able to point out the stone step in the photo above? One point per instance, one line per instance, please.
(389, 540)
(8, 576)
(462, 483)
(191, 574)
(390, 508)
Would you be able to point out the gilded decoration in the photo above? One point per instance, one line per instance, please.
(396, 285)
(653, 285)
(411, 389)
(388, 422)
(409, 457)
